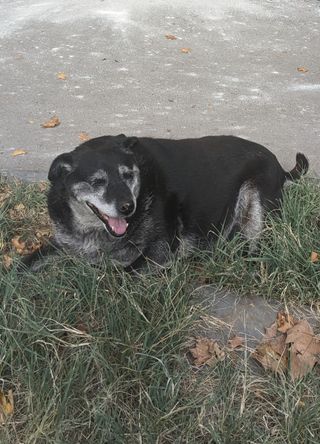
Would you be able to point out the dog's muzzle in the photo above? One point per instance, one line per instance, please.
(116, 226)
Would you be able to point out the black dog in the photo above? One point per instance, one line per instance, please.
(137, 199)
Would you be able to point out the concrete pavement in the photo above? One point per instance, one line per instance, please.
(238, 75)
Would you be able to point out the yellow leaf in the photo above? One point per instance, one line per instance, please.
(61, 76)
(7, 261)
(6, 402)
(170, 37)
(51, 123)
(314, 257)
(84, 136)
(185, 50)
(18, 244)
(302, 69)
(18, 152)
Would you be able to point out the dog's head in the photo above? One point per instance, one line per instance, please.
(101, 182)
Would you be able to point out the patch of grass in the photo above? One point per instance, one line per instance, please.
(95, 355)
(282, 267)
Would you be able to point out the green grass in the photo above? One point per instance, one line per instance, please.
(95, 355)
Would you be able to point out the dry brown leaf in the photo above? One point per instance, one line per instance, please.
(84, 136)
(24, 247)
(304, 350)
(170, 37)
(81, 326)
(272, 354)
(206, 351)
(185, 50)
(43, 186)
(302, 69)
(5, 193)
(7, 261)
(314, 257)
(18, 212)
(297, 349)
(18, 244)
(51, 123)
(235, 342)
(284, 321)
(61, 76)
(44, 232)
(18, 152)
(271, 331)
(6, 405)
(303, 338)
(300, 365)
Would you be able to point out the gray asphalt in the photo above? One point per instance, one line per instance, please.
(238, 77)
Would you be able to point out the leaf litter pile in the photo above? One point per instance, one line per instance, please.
(289, 346)
(29, 227)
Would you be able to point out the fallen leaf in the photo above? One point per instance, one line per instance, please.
(185, 50)
(44, 232)
(314, 257)
(23, 247)
(296, 349)
(18, 152)
(81, 326)
(43, 186)
(272, 354)
(236, 341)
(303, 338)
(271, 331)
(300, 365)
(18, 244)
(170, 37)
(51, 123)
(18, 212)
(304, 349)
(7, 261)
(284, 321)
(6, 405)
(206, 351)
(84, 136)
(61, 76)
(5, 193)
(302, 69)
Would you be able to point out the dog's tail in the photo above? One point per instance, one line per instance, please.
(301, 167)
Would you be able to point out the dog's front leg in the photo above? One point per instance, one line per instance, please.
(36, 260)
(156, 256)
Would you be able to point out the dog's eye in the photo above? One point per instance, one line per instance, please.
(99, 182)
(128, 175)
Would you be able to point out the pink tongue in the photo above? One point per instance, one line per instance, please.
(119, 226)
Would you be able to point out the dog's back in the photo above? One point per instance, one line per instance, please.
(206, 175)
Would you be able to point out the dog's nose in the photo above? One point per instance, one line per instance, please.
(126, 208)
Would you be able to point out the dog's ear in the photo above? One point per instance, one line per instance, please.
(128, 143)
(61, 165)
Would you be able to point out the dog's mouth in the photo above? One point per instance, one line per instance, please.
(116, 226)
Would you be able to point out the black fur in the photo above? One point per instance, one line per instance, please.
(188, 189)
